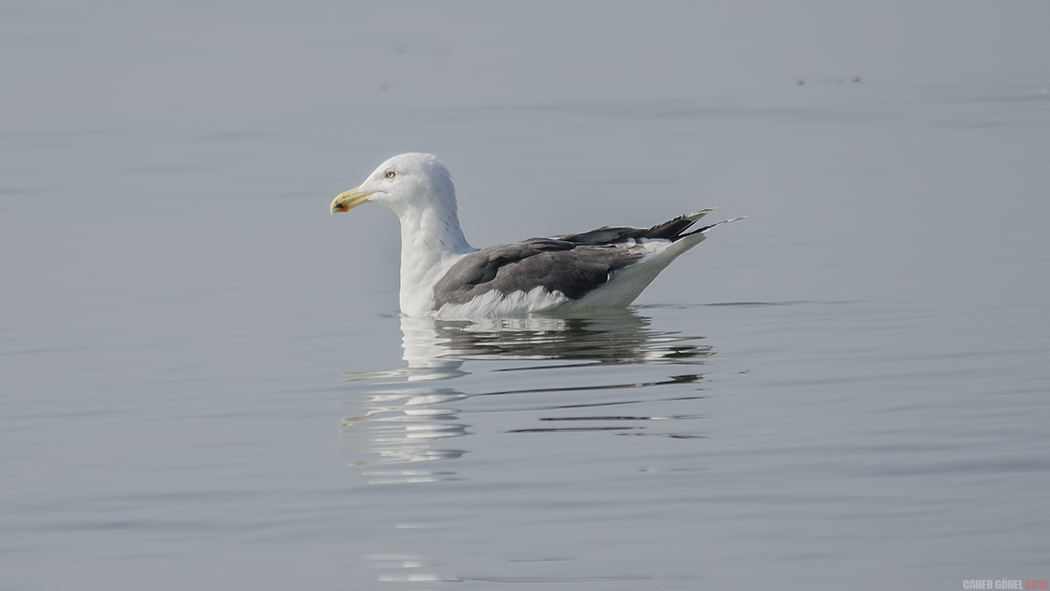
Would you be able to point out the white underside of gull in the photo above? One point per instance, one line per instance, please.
(496, 305)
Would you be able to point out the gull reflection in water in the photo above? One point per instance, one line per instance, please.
(410, 414)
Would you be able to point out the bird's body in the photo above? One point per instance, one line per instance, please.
(443, 276)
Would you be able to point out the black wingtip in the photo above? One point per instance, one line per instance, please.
(675, 229)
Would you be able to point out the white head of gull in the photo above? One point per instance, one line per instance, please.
(443, 276)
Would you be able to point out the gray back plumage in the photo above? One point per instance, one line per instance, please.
(573, 264)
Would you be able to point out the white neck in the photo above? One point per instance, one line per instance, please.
(431, 242)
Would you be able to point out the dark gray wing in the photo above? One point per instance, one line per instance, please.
(573, 264)
(569, 267)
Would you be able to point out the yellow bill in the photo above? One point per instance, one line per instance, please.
(349, 200)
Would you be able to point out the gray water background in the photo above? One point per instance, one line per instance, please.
(206, 384)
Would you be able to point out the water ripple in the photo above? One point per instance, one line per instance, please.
(457, 369)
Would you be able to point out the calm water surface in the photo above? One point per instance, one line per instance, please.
(206, 383)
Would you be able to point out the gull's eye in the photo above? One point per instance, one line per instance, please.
(389, 174)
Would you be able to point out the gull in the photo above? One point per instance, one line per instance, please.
(443, 276)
